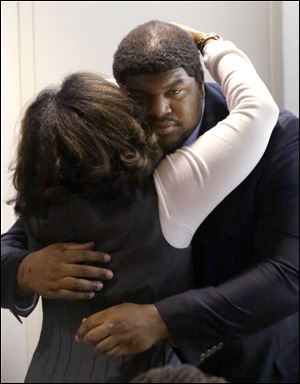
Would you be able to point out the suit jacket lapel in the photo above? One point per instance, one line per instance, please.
(215, 107)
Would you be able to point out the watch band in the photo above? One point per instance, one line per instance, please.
(205, 37)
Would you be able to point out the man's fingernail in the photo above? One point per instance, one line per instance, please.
(77, 338)
(109, 274)
(83, 320)
(98, 286)
(106, 258)
(91, 295)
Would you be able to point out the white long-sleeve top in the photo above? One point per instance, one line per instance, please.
(191, 182)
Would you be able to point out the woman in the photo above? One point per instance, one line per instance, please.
(84, 171)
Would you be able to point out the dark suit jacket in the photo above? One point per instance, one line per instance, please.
(242, 322)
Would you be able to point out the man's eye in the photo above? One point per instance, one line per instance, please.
(174, 92)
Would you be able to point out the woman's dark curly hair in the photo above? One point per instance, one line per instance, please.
(82, 135)
(156, 47)
(184, 373)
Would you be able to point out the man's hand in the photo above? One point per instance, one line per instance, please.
(123, 329)
(54, 273)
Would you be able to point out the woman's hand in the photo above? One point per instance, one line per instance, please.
(196, 35)
(200, 38)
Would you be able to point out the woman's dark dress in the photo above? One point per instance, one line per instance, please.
(146, 269)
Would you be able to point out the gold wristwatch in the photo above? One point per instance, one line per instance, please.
(205, 37)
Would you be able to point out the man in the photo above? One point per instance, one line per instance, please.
(241, 321)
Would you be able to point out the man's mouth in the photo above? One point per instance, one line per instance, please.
(165, 128)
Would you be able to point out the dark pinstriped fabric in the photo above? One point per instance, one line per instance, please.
(146, 268)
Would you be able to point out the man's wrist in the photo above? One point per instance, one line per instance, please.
(22, 288)
(161, 330)
(26, 304)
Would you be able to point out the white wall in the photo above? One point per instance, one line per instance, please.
(13, 346)
(18, 341)
(42, 41)
(85, 35)
(290, 22)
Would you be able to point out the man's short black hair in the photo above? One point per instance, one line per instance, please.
(156, 47)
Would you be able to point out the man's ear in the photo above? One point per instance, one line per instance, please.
(200, 83)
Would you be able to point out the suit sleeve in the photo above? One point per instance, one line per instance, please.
(13, 250)
(268, 291)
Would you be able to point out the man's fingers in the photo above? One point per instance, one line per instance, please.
(94, 321)
(97, 334)
(88, 272)
(75, 246)
(106, 345)
(85, 256)
(65, 294)
(114, 352)
(73, 284)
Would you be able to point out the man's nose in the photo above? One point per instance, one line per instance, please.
(160, 106)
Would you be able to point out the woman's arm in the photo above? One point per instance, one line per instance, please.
(191, 182)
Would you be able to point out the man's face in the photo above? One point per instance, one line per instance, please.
(172, 101)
